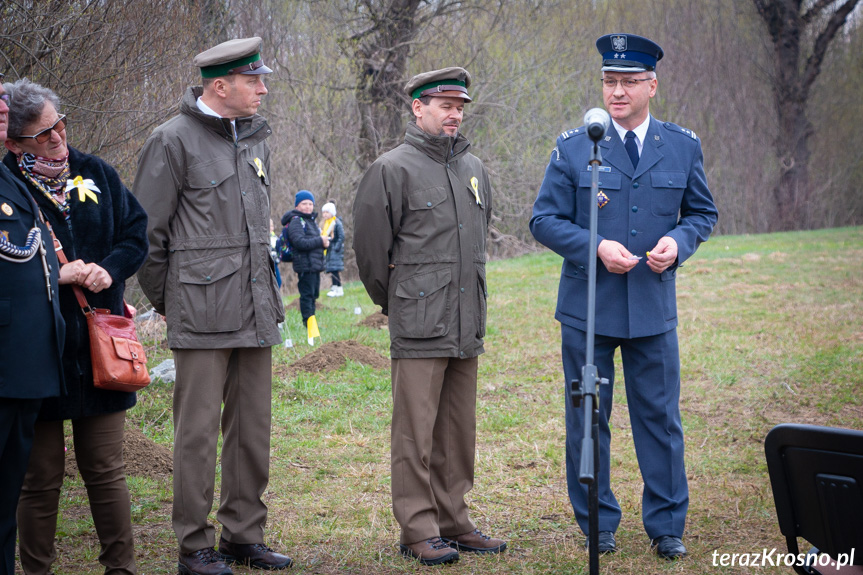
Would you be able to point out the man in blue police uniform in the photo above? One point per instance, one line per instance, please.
(31, 337)
(655, 209)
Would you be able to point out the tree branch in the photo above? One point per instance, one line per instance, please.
(822, 42)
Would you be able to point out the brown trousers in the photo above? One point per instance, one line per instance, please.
(241, 379)
(99, 454)
(433, 445)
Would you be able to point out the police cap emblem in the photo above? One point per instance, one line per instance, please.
(618, 43)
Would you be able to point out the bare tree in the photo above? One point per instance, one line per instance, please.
(792, 26)
(118, 67)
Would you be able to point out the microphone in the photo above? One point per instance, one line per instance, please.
(596, 122)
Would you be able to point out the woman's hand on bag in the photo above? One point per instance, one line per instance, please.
(98, 279)
(73, 272)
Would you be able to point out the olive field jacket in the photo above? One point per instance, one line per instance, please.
(421, 218)
(209, 269)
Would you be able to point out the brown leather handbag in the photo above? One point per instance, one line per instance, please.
(117, 358)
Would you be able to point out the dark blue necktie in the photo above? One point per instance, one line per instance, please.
(631, 147)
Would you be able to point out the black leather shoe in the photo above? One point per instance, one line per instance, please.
(255, 555)
(607, 544)
(668, 547)
(203, 562)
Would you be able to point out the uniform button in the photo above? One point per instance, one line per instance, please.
(244, 193)
(633, 232)
(459, 226)
(462, 290)
(461, 354)
(634, 208)
(262, 342)
(254, 280)
(422, 293)
(428, 204)
(50, 268)
(212, 182)
(208, 278)
(634, 184)
(670, 182)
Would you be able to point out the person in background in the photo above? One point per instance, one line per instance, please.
(204, 179)
(421, 218)
(101, 226)
(334, 256)
(655, 209)
(307, 247)
(32, 332)
(274, 253)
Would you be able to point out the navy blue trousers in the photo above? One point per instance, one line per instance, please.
(651, 370)
(17, 420)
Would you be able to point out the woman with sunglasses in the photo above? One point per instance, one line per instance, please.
(102, 229)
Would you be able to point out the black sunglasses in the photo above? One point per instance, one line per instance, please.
(45, 134)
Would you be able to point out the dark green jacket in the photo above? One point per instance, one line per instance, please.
(209, 268)
(420, 243)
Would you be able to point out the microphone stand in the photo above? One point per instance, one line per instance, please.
(586, 391)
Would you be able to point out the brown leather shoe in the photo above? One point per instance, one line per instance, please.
(475, 542)
(255, 555)
(432, 551)
(204, 561)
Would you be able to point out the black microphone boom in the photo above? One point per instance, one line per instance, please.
(596, 122)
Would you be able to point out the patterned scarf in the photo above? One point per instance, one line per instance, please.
(49, 176)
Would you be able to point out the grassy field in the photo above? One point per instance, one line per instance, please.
(770, 331)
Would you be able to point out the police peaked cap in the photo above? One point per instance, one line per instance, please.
(628, 53)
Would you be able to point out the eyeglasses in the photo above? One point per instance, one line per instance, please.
(45, 134)
(627, 83)
(5, 97)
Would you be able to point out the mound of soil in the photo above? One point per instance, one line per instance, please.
(143, 457)
(334, 354)
(376, 320)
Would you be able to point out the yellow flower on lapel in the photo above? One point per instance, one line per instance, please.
(86, 188)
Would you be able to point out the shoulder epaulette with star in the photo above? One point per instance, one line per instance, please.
(569, 133)
(675, 128)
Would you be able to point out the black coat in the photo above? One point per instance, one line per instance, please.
(335, 256)
(31, 326)
(113, 234)
(307, 245)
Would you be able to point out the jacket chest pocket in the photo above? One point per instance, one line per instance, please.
(211, 293)
(667, 192)
(209, 175)
(427, 199)
(608, 197)
(421, 306)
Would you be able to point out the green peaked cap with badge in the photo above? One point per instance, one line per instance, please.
(238, 56)
(450, 82)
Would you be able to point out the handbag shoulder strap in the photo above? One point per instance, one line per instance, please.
(61, 257)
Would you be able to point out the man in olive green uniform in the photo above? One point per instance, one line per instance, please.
(203, 178)
(420, 223)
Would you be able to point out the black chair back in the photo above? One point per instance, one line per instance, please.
(817, 478)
